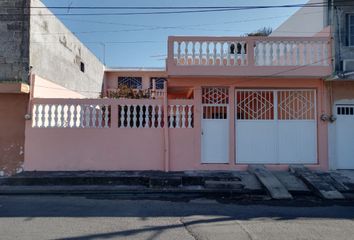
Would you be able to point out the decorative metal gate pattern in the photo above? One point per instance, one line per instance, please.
(296, 105)
(290, 104)
(215, 125)
(276, 126)
(255, 105)
(215, 103)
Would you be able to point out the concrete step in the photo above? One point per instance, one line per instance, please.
(230, 185)
(315, 182)
(272, 184)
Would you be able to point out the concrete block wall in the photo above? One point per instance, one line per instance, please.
(56, 54)
(14, 40)
(340, 30)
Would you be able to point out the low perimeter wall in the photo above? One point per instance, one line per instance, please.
(107, 134)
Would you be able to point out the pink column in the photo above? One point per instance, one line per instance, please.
(198, 111)
(232, 125)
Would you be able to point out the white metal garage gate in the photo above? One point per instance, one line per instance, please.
(276, 126)
(344, 136)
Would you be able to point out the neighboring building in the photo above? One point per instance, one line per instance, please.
(38, 54)
(341, 84)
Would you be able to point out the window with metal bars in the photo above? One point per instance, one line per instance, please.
(132, 82)
(159, 82)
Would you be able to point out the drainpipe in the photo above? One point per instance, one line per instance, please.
(166, 133)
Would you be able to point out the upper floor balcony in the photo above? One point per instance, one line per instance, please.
(249, 56)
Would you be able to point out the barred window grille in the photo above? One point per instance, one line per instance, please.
(132, 82)
(159, 82)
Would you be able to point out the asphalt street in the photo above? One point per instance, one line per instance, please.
(73, 218)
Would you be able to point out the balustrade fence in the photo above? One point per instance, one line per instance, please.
(246, 51)
(111, 113)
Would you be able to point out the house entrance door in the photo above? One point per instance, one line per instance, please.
(215, 125)
(344, 141)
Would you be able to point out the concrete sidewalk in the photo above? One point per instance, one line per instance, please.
(258, 183)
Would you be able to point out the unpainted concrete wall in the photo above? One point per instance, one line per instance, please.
(14, 40)
(56, 54)
(13, 108)
(340, 31)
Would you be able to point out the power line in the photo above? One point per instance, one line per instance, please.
(200, 10)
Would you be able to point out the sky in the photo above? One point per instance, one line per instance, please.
(141, 40)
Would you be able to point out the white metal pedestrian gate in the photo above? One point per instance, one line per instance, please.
(276, 126)
(344, 150)
(215, 125)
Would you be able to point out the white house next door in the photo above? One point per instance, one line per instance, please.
(215, 125)
(344, 141)
(276, 126)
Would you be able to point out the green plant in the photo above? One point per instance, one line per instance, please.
(125, 91)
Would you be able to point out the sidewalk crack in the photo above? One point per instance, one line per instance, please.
(190, 232)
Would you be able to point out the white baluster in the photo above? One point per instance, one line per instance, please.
(183, 116)
(153, 116)
(228, 54)
(159, 117)
(285, 53)
(147, 116)
(193, 53)
(62, 118)
(214, 53)
(42, 115)
(99, 116)
(178, 52)
(277, 45)
(49, 116)
(312, 53)
(207, 53)
(292, 54)
(200, 52)
(264, 53)
(141, 118)
(106, 116)
(319, 54)
(68, 116)
(54, 116)
(171, 116)
(94, 116)
(128, 116)
(82, 116)
(135, 119)
(87, 115)
(243, 53)
(186, 53)
(122, 116)
(74, 116)
(189, 116)
(35, 116)
(221, 54)
(178, 124)
(256, 54)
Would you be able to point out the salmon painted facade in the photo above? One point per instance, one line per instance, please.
(221, 104)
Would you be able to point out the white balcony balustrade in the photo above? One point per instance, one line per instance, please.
(249, 56)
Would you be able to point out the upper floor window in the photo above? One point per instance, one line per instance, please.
(132, 82)
(351, 29)
(159, 82)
